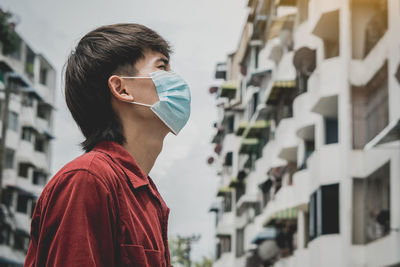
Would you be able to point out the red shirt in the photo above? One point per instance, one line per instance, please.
(100, 210)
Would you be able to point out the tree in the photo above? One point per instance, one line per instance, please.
(8, 36)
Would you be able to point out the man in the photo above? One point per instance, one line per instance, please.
(102, 208)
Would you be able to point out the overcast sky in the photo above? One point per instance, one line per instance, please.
(201, 33)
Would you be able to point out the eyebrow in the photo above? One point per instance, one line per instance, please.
(163, 59)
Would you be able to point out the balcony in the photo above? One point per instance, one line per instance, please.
(363, 70)
(228, 89)
(325, 165)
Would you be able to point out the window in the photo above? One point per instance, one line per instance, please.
(40, 144)
(324, 211)
(228, 159)
(371, 205)
(370, 108)
(240, 190)
(22, 203)
(309, 147)
(225, 242)
(29, 64)
(21, 241)
(27, 134)
(257, 52)
(9, 158)
(228, 202)
(43, 76)
(376, 26)
(331, 131)
(231, 124)
(13, 121)
(39, 178)
(239, 242)
(23, 170)
(43, 111)
(27, 100)
(302, 83)
(253, 106)
(265, 189)
(5, 232)
(16, 54)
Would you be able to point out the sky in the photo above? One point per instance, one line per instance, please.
(202, 33)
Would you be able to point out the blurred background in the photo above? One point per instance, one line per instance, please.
(291, 155)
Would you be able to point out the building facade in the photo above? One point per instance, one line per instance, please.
(32, 81)
(307, 140)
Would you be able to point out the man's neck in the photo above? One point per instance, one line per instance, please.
(144, 145)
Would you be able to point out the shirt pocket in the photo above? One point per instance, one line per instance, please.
(138, 256)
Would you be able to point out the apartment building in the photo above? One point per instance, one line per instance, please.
(32, 80)
(307, 139)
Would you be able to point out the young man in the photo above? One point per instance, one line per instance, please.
(102, 208)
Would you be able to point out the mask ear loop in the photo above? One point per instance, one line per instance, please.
(133, 102)
(139, 77)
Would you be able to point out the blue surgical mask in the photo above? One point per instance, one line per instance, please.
(173, 108)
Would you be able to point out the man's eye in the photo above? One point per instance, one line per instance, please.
(162, 66)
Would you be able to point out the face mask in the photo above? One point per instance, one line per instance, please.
(173, 108)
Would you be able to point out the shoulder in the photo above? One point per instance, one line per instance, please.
(89, 169)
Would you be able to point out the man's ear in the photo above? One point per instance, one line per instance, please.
(117, 88)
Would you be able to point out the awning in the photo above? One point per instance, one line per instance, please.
(15, 77)
(278, 25)
(249, 145)
(390, 133)
(256, 128)
(48, 134)
(228, 89)
(267, 233)
(214, 207)
(27, 162)
(234, 183)
(278, 88)
(224, 190)
(4, 67)
(242, 126)
(282, 215)
(43, 103)
(32, 91)
(257, 76)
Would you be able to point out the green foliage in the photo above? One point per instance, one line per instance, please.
(179, 252)
(205, 263)
(180, 248)
(8, 36)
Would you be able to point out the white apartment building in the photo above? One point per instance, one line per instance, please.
(307, 141)
(28, 145)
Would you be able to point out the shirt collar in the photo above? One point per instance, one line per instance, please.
(122, 157)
